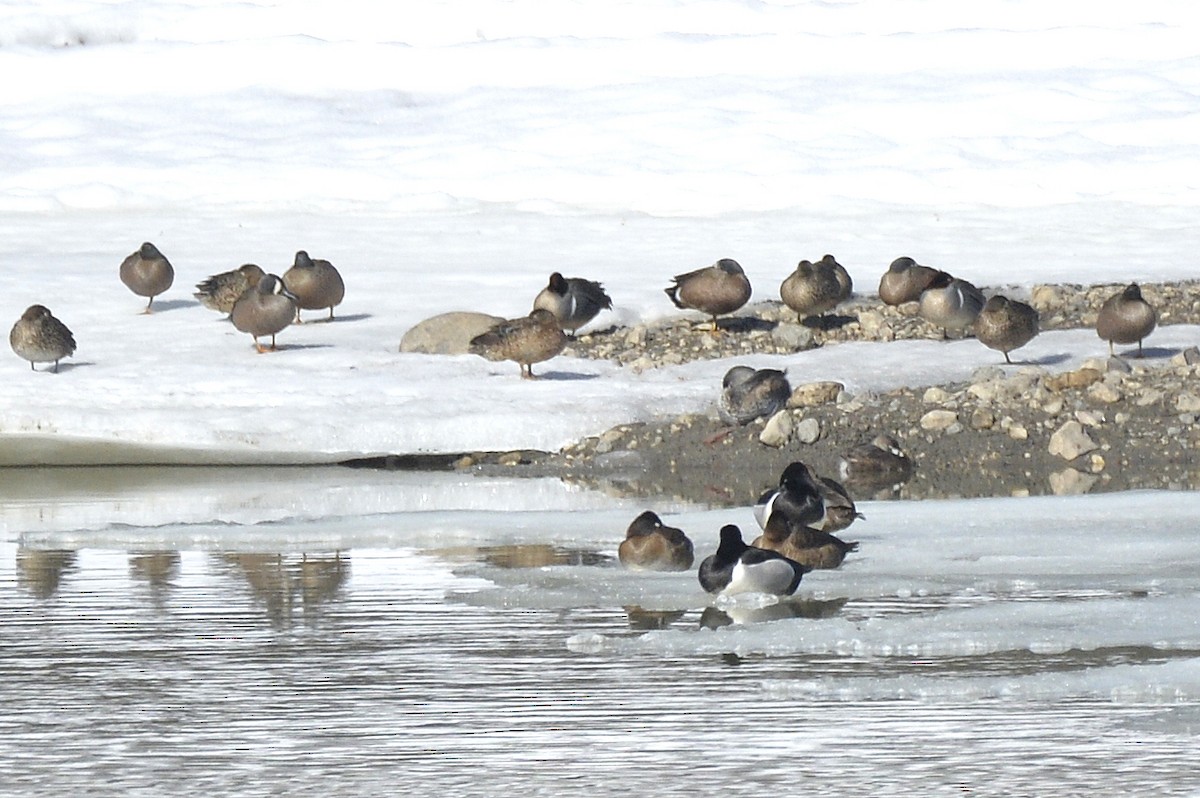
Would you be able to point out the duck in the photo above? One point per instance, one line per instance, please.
(1126, 318)
(41, 338)
(574, 301)
(220, 291)
(877, 461)
(651, 546)
(800, 543)
(738, 568)
(147, 273)
(904, 281)
(950, 303)
(748, 394)
(266, 309)
(315, 283)
(526, 340)
(799, 497)
(840, 510)
(815, 288)
(1006, 324)
(714, 290)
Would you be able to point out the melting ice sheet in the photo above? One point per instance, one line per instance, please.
(383, 626)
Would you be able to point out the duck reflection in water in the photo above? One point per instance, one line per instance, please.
(41, 571)
(643, 620)
(158, 569)
(813, 609)
(522, 555)
(285, 583)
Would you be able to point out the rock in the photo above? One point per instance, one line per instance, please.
(808, 431)
(447, 333)
(1104, 392)
(1070, 482)
(795, 337)
(1070, 441)
(1090, 418)
(778, 430)
(1018, 432)
(982, 418)
(1188, 357)
(1080, 378)
(1045, 298)
(938, 419)
(935, 396)
(815, 393)
(1187, 403)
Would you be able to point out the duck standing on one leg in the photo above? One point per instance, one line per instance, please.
(714, 290)
(147, 273)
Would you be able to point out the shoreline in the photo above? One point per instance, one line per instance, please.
(1128, 424)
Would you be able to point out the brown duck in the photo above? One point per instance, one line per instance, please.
(904, 281)
(1126, 318)
(1005, 324)
(220, 291)
(315, 283)
(803, 544)
(714, 290)
(650, 546)
(526, 340)
(147, 273)
(40, 338)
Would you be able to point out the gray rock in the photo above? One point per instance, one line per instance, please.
(1069, 441)
(808, 431)
(792, 336)
(778, 430)
(447, 333)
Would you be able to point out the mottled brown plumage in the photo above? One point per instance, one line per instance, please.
(1006, 324)
(220, 291)
(40, 338)
(815, 288)
(525, 340)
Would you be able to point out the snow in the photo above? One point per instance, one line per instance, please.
(452, 159)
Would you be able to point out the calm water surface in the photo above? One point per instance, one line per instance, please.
(481, 669)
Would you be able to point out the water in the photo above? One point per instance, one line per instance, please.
(495, 645)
